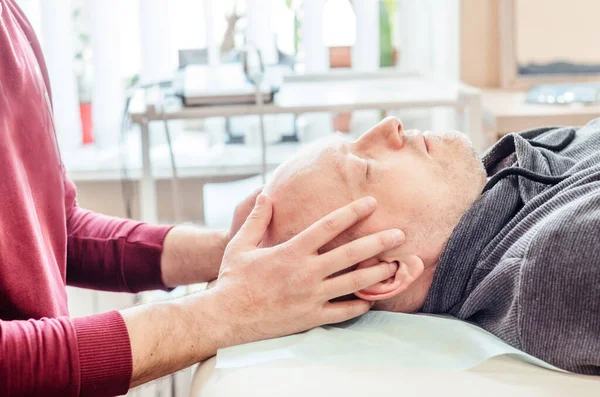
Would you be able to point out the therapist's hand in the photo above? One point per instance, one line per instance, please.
(260, 293)
(268, 292)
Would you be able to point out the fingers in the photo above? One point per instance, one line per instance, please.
(357, 280)
(327, 228)
(341, 311)
(254, 228)
(369, 262)
(360, 250)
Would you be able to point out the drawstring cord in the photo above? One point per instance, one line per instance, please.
(535, 177)
(545, 179)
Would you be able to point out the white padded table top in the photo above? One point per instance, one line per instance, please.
(500, 376)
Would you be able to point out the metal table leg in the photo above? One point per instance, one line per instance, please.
(147, 187)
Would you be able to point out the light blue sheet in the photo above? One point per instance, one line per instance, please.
(382, 339)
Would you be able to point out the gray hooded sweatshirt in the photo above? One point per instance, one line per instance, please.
(524, 261)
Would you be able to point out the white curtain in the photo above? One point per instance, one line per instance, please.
(259, 30)
(155, 41)
(57, 45)
(210, 16)
(445, 53)
(316, 58)
(445, 38)
(415, 37)
(365, 52)
(339, 23)
(108, 97)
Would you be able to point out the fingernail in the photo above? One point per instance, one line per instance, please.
(394, 267)
(260, 200)
(370, 203)
(398, 236)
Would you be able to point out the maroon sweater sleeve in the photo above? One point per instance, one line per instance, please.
(88, 356)
(111, 254)
(42, 350)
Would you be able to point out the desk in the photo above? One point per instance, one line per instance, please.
(382, 91)
(506, 111)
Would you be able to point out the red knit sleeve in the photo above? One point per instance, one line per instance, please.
(111, 254)
(65, 357)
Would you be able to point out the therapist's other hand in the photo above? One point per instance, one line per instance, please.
(242, 211)
(276, 291)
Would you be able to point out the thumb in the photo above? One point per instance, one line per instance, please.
(242, 211)
(253, 230)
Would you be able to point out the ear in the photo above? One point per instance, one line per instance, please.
(409, 270)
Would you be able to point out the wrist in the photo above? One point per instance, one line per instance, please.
(208, 321)
(192, 255)
(218, 240)
(168, 336)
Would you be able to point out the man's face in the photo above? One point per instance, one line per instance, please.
(423, 184)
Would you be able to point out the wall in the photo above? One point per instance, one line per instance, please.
(480, 36)
(480, 43)
(551, 30)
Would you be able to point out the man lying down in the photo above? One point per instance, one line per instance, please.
(510, 242)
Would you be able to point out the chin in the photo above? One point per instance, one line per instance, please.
(389, 305)
(381, 306)
(405, 302)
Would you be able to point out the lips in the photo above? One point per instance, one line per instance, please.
(416, 136)
(430, 138)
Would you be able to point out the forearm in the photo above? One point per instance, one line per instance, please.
(113, 254)
(192, 255)
(167, 337)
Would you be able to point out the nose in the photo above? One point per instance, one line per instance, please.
(387, 133)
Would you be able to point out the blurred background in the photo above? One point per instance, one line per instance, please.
(101, 53)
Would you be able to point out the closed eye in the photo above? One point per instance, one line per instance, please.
(366, 165)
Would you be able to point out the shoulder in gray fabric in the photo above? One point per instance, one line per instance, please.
(524, 261)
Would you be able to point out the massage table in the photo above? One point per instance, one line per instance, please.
(501, 376)
(386, 354)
